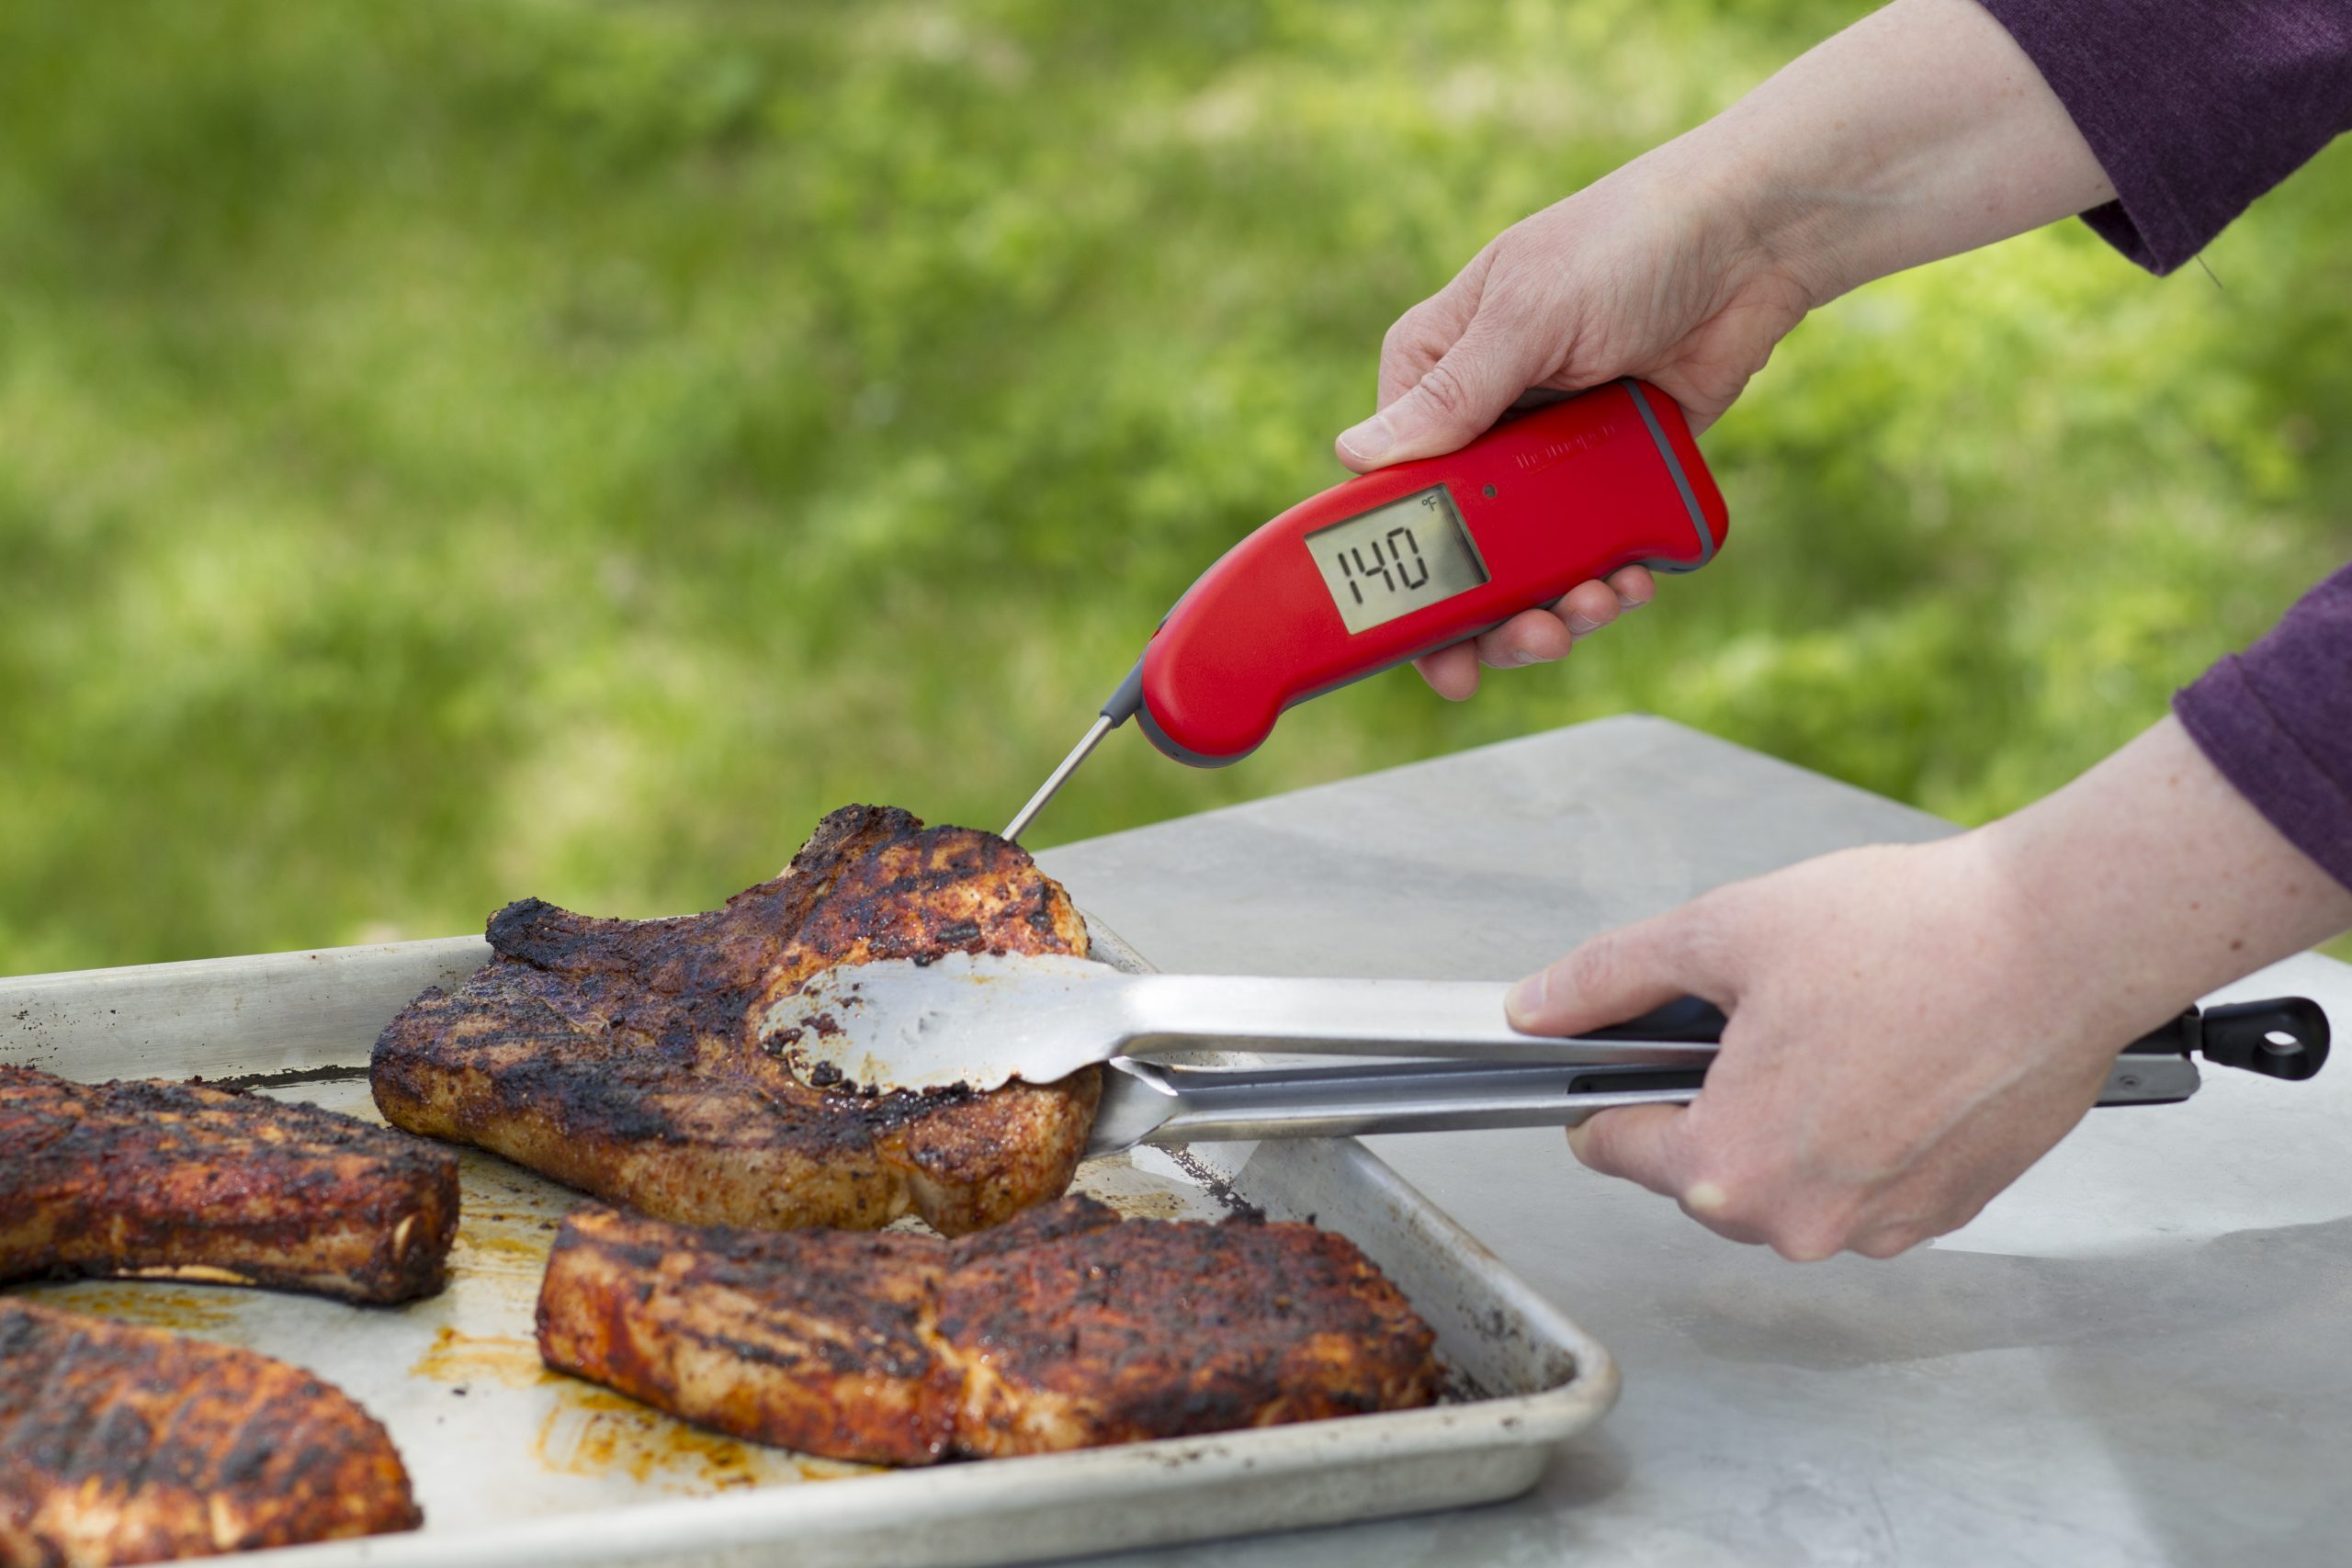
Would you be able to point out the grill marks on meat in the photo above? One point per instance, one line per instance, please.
(122, 1444)
(171, 1181)
(1065, 1329)
(622, 1057)
(815, 1340)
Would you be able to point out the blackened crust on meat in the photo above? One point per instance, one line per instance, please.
(1135, 1330)
(1066, 1327)
(185, 1180)
(1073, 1215)
(622, 1057)
(122, 1444)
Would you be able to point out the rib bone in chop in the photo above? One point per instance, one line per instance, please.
(1065, 1329)
(183, 1181)
(122, 1444)
(624, 1057)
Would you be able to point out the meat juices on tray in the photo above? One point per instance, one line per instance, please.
(623, 1056)
(155, 1179)
(1067, 1328)
(122, 1444)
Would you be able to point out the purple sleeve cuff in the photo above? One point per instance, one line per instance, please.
(2194, 108)
(2277, 721)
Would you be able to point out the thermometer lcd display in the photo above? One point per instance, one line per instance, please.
(1396, 558)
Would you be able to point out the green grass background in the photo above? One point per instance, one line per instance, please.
(452, 451)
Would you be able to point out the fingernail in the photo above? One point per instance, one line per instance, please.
(1579, 625)
(1368, 442)
(1526, 999)
(1706, 1197)
(1527, 658)
(1625, 604)
(1576, 1139)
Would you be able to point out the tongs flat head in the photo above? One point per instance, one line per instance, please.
(973, 1019)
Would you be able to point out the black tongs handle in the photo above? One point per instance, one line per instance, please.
(1692, 1019)
(2283, 1037)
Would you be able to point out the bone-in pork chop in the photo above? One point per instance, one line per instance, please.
(624, 1057)
(122, 1444)
(1065, 1329)
(171, 1181)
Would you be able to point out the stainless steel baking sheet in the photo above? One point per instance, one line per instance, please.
(515, 1464)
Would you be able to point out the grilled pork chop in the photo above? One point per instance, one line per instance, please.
(174, 1180)
(1065, 1329)
(120, 1444)
(623, 1056)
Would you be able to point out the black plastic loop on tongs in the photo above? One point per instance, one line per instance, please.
(2285, 1037)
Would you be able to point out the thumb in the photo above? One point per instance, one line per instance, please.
(1617, 976)
(1455, 402)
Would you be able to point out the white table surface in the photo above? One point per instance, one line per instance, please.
(2141, 1353)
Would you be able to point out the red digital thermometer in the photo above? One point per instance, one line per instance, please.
(1397, 563)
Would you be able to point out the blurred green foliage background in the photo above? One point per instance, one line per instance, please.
(453, 451)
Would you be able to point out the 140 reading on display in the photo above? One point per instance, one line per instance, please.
(1396, 558)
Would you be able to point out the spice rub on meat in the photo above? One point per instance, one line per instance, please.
(122, 1444)
(624, 1057)
(157, 1179)
(1065, 1329)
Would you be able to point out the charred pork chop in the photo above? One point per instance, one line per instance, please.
(132, 1444)
(174, 1180)
(624, 1057)
(1065, 1329)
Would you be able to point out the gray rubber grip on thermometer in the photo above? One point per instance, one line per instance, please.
(1123, 702)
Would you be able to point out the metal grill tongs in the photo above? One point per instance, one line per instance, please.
(1150, 1102)
(979, 1021)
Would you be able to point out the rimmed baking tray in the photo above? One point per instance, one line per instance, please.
(517, 1465)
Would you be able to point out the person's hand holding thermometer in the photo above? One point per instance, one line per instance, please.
(1412, 557)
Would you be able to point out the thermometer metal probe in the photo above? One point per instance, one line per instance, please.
(1045, 792)
(1407, 559)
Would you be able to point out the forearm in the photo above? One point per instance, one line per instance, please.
(1919, 133)
(2150, 881)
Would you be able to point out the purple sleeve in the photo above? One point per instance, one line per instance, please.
(2276, 721)
(2193, 107)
